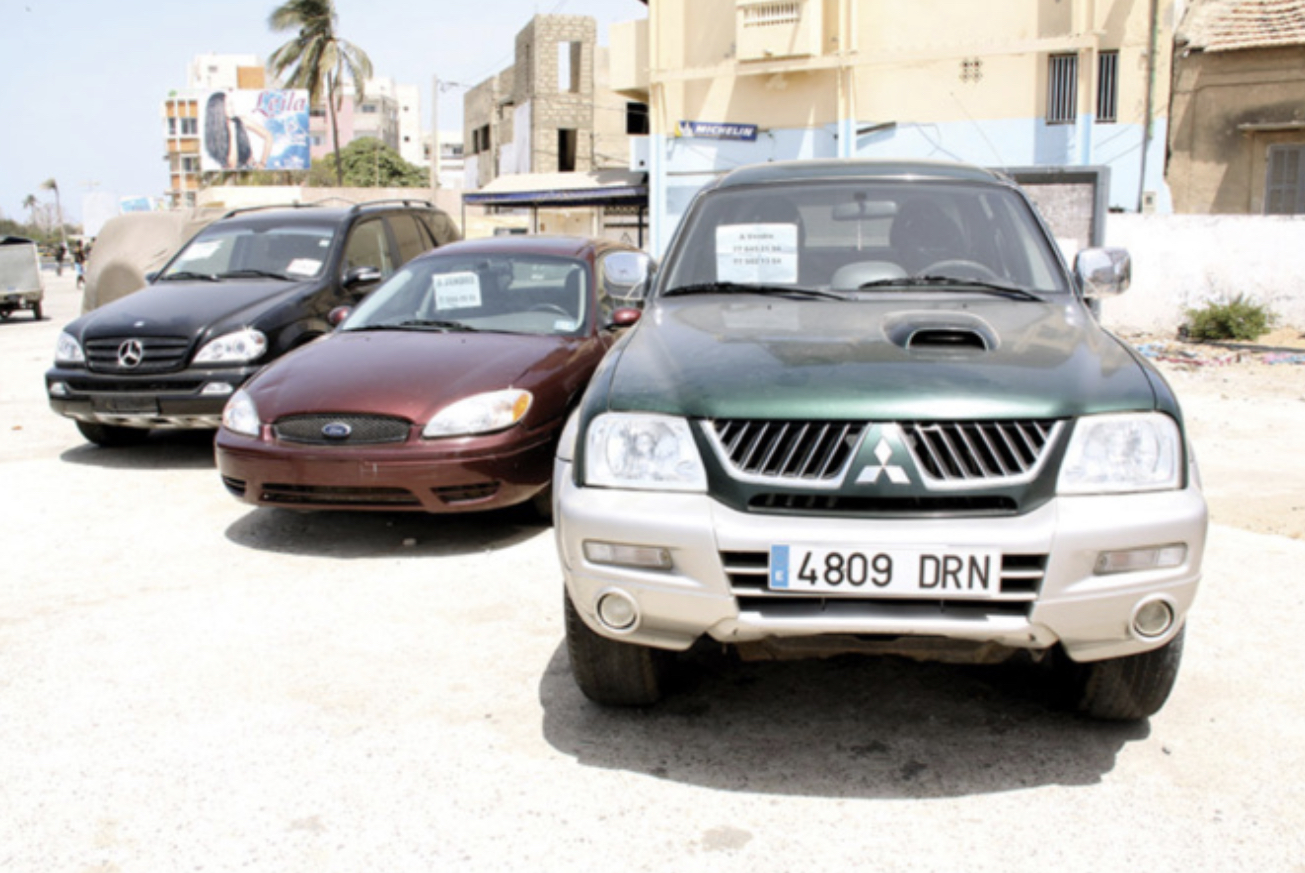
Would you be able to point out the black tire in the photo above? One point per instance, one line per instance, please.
(612, 672)
(36, 310)
(112, 436)
(1128, 688)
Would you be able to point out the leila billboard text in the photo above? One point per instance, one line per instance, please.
(254, 130)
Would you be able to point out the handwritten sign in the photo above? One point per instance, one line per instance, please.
(764, 254)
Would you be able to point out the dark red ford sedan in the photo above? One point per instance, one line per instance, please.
(445, 390)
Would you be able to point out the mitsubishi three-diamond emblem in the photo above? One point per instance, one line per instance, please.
(883, 453)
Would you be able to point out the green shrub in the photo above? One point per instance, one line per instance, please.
(1238, 319)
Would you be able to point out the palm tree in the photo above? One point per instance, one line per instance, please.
(51, 185)
(30, 203)
(317, 59)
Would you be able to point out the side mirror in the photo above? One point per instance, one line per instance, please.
(151, 276)
(1103, 272)
(362, 276)
(337, 315)
(624, 317)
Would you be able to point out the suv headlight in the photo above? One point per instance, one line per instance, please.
(236, 347)
(68, 351)
(650, 452)
(241, 415)
(1119, 453)
(480, 413)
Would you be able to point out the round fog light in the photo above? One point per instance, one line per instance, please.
(616, 610)
(1153, 619)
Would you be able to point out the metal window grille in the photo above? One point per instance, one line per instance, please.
(1284, 188)
(771, 13)
(1062, 89)
(1108, 86)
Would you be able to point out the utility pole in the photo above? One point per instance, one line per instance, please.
(434, 133)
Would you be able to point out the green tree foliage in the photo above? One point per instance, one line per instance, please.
(367, 163)
(317, 59)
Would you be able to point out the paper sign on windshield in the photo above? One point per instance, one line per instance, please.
(455, 290)
(201, 250)
(304, 266)
(763, 254)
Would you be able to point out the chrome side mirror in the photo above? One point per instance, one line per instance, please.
(625, 275)
(1103, 272)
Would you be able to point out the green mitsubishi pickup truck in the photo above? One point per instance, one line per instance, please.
(867, 409)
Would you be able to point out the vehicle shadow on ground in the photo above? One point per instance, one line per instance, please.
(162, 450)
(845, 727)
(382, 534)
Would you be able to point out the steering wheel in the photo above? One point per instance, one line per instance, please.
(549, 307)
(959, 268)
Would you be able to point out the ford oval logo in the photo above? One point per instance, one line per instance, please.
(336, 430)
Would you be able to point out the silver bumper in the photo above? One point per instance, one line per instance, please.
(1090, 614)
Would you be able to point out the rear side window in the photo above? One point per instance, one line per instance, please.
(369, 247)
(410, 236)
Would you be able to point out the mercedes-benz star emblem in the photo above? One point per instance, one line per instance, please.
(130, 354)
(336, 430)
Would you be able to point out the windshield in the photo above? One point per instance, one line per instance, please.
(280, 252)
(512, 293)
(860, 238)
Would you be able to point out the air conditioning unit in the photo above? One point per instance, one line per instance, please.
(772, 29)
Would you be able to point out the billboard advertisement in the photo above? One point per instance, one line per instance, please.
(254, 130)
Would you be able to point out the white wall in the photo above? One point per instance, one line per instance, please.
(1181, 262)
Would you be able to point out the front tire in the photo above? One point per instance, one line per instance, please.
(1129, 688)
(612, 672)
(37, 312)
(112, 436)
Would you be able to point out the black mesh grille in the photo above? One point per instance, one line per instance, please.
(811, 451)
(158, 354)
(313, 495)
(352, 430)
(838, 504)
(966, 451)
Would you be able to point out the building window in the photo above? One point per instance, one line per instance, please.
(566, 140)
(568, 67)
(172, 127)
(1062, 89)
(316, 139)
(636, 119)
(480, 139)
(1284, 189)
(190, 127)
(190, 164)
(764, 14)
(316, 113)
(368, 109)
(1108, 87)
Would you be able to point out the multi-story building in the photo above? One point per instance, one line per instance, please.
(1064, 83)
(181, 112)
(388, 111)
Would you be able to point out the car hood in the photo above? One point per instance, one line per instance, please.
(185, 308)
(407, 374)
(892, 359)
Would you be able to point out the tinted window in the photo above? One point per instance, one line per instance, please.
(411, 238)
(368, 247)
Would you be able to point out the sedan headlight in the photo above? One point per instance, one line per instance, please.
(68, 351)
(482, 413)
(237, 347)
(1112, 454)
(650, 452)
(241, 415)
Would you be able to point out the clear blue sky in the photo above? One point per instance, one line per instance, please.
(84, 79)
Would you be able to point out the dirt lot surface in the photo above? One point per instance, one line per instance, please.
(191, 684)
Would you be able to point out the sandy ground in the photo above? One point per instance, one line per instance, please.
(189, 683)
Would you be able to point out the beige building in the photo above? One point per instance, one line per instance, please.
(1020, 83)
(1237, 141)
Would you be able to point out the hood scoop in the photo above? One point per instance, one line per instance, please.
(945, 334)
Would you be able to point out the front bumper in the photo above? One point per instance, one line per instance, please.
(457, 475)
(11, 300)
(1090, 615)
(191, 398)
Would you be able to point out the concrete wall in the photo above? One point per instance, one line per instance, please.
(1182, 262)
(240, 196)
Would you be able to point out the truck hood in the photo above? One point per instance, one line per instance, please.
(406, 374)
(185, 308)
(898, 358)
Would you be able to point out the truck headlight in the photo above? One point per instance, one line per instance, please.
(649, 452)
(68, 351)
(237, 347)
(1120, 453)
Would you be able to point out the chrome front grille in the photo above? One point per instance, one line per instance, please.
(966, 453)
(362, 429)
(157, 354)
(810, 452)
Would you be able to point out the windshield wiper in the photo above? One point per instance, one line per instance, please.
(418, 324)
(186, 275)
(744, 288)
(253, 273)
(979, 285)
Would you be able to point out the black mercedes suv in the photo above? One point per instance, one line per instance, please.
(247, 288)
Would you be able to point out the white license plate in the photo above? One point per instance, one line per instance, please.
(869, 571)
